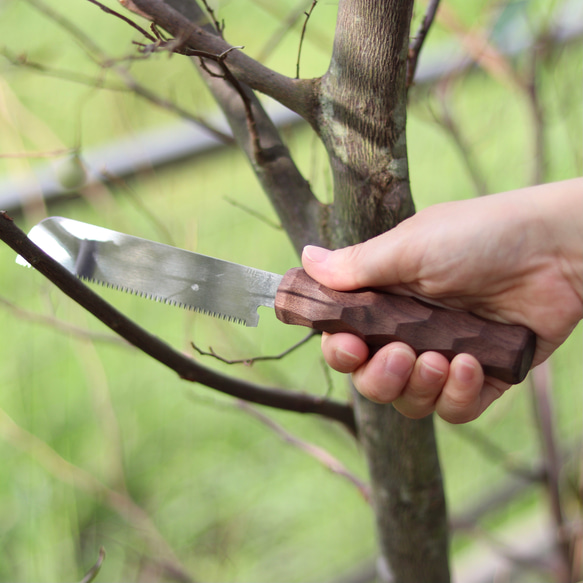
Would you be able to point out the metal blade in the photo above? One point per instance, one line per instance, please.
(157, 271)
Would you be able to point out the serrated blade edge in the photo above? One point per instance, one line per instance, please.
(157, 271)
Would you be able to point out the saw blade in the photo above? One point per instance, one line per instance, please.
(157, 271)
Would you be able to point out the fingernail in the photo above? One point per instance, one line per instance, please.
(316, 254)
(465, 372)
(346, 358)
(399, 363)
(429, 373)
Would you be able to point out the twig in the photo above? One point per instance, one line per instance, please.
(234, 82)
(494, 452)
(541, 384)
(300, 211)
(250, 361)
(219, 27)
(102, 60)
(22, 60)
(249, 115)
(318, 453)
(480, 49)
(308, 14)
(419, 39)
(450, 125)
(187, 368)
(84, 481)
(124, 18)
(60, 325)
(177, 45)
(286, 24)
(139, 204)
(297, 95)
(531, 87)
(149, 95)
(254, 213)
(94, 571)
(327, 377)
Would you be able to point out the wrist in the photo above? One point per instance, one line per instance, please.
(560, 212)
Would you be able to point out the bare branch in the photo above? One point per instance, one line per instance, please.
(531, 87)
(104, 61)
(250, 361)
(296, 94)
(308, 14)
(140, 205)
(494, 452)
(446, 120)
(176, 46)
(124, 18)
(286, 24)
(185, 367)
(219, 27)
(318, 453)
(480, 49)
(300, 212)
(84, 481)
(152, 97)
(253, 213)
(419, 39)
(60, 325)
(249, 115)
(541, 383)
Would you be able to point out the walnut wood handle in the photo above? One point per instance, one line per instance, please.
(504, 351)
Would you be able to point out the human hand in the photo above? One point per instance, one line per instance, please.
(515, 257)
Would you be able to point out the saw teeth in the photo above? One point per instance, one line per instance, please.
(160, 299)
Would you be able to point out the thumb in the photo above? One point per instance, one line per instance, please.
(374, 263)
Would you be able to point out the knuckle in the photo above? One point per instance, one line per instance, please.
(377, 390)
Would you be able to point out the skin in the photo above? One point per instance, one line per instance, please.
(515, 257)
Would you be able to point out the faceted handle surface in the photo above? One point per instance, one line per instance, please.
(504, 351)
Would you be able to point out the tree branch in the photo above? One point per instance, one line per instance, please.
(455, 132)
(300, 212)
(302, 35)
(61, 325)
(96, 54)
(185, 367)
(319, 454)
(296, 94)
(542, 389)
(418, 40)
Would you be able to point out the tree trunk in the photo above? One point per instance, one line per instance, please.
(363, 116)
(363, 125)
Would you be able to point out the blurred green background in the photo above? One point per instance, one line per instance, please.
(101, 446)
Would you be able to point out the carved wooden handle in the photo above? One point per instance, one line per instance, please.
(504, 351)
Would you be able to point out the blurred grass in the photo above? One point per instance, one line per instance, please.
(232, 501)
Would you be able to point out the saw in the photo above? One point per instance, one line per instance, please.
(234, 292)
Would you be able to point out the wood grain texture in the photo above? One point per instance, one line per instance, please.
(505, 352)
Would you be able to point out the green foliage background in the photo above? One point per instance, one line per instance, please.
(233, 501)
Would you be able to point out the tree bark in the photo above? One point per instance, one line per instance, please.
(363, 116)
